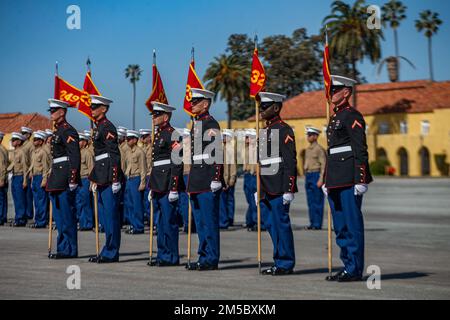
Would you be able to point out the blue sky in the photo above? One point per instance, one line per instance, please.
(117, 33)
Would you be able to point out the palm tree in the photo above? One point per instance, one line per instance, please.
(430, 22)
(228, 77)
(133, 71)
(350, 37)
(393, 12)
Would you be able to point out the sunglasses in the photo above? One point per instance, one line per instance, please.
(336, 89)
(194, 101)
(266, 105)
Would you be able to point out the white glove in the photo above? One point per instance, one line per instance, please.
(72, 186)
(360, 189)
(149, 197)
(216, 186)
(116, 187)
(256, 197)
(325, 190)
(173, 196)
(94, 187)
(288, 198)
(10, 175)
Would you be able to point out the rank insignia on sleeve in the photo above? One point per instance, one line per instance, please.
(288, 138)
(356, 123)
(70, 139)
(110, 136)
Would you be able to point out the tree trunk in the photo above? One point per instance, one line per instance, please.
(134, 105)
(230, 113)
(396, 54)
(354, 87)
(430, 59)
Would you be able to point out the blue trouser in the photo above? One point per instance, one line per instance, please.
(134, 205)
(4, 203)
(85, 213)
(277, 221)
(20, 200)
(227, 208)
(63, 204)
(183, 207)
(167, 228)
(145, 199)
(29, 209)
(40, 202)
(349, 227)
(315, 199)
(205, 208)
(108, 203)
(251, 217)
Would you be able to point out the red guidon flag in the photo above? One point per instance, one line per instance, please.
(66, 92)
(158, 94)
(258, 76)
(193, 81)
(90, 88)
(326, 69)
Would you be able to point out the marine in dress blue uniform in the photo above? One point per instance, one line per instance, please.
(314, 168)
(346, 178)
(38, 171)
(85, 212)
(4, 163)
(28, 146)
(166, 182)
(106, 177)
(278, 182)
(205, 180)
(63, 180)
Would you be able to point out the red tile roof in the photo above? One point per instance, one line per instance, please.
(408, 96)
(10, 122)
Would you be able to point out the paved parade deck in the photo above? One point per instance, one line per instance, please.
(407, 235)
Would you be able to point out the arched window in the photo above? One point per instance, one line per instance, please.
(403, 161)
(381, 154)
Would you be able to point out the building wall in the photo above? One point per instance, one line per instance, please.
(437, 141)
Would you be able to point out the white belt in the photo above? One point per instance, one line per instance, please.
(340, 149)
(265, 162)
(161, 162)
(60, 159)
(201, 157)
(102, 156)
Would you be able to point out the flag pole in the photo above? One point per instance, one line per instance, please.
(189, 243)
(151, 199)
(97, 240)
(329, 235)
(258, 178)
(50, 213)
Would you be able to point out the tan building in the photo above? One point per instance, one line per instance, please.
(12, 122)
(408, 123)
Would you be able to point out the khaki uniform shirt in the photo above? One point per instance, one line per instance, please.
(250, 159)
(315, 159)
(229, 164)
(123, 148)
(4, 162)
(135, 164)
(186, 156)
(87, 162)
(19, 162)
(40, 164)
(148, 150)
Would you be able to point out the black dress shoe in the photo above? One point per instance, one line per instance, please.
(335, 276)
(133, 231)
(160, 263)
(191, 266)
(58, 256)
(85, 229)
(101, 259)
(19, 225)
(275, 271)
(206, 267)
(346, 277)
